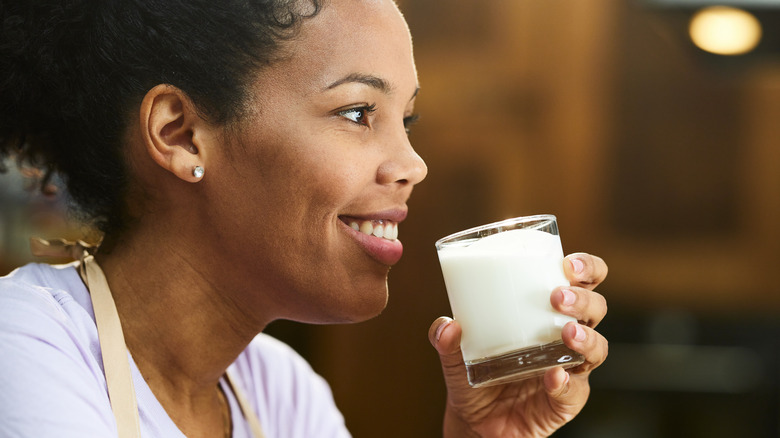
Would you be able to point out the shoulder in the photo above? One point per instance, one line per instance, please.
(49, 374)
(268, 351)
(277, 370)
(40, 279)
(40, 291)
(292, 400)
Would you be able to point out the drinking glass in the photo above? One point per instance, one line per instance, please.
(499, 278)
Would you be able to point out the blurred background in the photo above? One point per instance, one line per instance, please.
(652, 130)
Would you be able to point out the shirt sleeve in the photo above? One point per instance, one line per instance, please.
(291, 400)
(50, 383)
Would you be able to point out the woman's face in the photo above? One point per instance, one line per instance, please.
(326, 151)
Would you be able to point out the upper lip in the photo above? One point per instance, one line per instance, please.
(394, 214)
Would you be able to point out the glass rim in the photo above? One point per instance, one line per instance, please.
(497, 224)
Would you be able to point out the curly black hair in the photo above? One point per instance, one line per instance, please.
(72, 71)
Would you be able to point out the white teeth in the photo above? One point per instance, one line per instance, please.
(367, 227)
(381, 229)
(391, 232)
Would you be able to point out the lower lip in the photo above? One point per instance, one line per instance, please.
(386, 252)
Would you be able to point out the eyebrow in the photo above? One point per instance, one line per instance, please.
(370, 80)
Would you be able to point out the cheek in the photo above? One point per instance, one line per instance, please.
(324, 183)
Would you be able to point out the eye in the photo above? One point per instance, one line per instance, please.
(409, 121)
(358, 115)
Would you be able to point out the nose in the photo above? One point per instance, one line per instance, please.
(403, 165)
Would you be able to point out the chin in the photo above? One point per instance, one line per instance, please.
(361, 304)
(344, 296)
(369, 313)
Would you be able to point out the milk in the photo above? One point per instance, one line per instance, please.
(499, 290)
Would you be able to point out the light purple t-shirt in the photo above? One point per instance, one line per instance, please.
(52, 382)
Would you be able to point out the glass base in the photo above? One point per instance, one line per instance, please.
(521, 364)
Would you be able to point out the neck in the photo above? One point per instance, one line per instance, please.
(182, 330)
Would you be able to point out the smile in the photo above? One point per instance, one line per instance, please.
(385, 229)
(377, 234)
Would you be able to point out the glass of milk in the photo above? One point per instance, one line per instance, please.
(499, 278)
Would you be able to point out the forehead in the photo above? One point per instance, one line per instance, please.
(347, 37)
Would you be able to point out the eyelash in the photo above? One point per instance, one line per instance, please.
(368, 109)
(364, 110)
(409, 121)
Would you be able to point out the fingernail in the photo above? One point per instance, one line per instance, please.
(577, 265)
(440, 329)
(568, 297)
(579, 333)
(566, 379)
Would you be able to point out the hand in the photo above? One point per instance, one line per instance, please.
(538, 406)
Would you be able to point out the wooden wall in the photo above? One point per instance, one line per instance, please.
(653, 156)
(598, 112)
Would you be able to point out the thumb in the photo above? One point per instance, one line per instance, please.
(444, 335)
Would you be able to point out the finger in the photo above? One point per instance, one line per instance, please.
(567, 393)
(444, 334)
(555, 381)
(587, 342)
(587, 306)
(585, 270)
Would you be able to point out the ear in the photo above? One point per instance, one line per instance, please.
(169, 126)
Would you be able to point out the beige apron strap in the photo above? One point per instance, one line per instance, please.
(246, 408)
(116, 365)
(119, 379)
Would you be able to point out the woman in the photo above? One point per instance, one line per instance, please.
(246, 163)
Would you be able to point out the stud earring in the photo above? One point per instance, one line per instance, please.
(198, 172)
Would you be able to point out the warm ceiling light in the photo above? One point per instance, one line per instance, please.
(725, 31)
